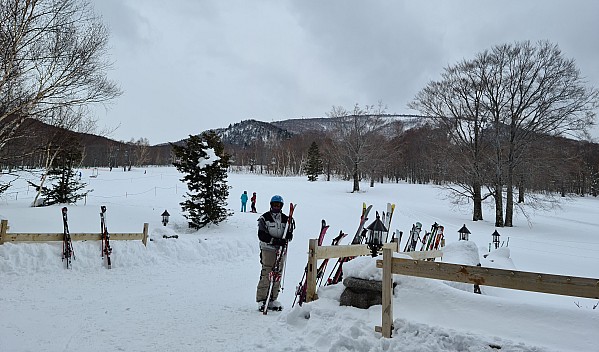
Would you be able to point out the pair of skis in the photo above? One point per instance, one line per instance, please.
(386, 219)
(336, 274)
(432, 239)
(276, 273)
(106, 249)
(413, 238)
(301, 290)
(67, 244)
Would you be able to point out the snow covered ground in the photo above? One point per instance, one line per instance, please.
(196, 293)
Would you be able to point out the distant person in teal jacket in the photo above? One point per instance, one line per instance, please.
(244, 200)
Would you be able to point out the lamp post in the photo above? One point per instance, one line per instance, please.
(464, 232)
(165, 216)
(496, 239)
(374, 239)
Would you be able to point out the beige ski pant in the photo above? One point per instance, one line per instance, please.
(267, 259)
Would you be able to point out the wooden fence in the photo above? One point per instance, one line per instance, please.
(316, 252)
(518, 280)
(43, 237)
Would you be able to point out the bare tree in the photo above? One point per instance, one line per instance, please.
(542, 94)
(142, 151)
(455, 104)
(52, 55)
(355, 137)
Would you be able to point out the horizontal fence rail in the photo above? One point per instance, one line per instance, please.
(511, 279)
(47, 237)
(316, 252)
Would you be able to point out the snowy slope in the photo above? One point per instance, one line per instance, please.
(196, 293)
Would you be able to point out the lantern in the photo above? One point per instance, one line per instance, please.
(464, 233)
(374, 239)
(496, 239)
(165, 216)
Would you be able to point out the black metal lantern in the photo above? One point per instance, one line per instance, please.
(165, 216)
(496, 239)
(374, 239)
(464, 232)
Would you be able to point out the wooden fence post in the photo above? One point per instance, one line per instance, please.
(311, 274)
(387, 303)
(3, 229)
(144, 240)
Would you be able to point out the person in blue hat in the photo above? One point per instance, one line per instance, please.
(271, 226)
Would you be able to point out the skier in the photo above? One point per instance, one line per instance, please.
(244, 200)
(253, 200)
(271, 226)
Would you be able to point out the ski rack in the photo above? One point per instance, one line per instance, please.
(46, 237)
(316, 252)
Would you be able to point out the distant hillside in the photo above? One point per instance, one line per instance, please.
(101, 151)
(244, 133)
(309, 124)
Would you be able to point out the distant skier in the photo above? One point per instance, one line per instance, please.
(253, 200)
(244, 200)
(271, 226)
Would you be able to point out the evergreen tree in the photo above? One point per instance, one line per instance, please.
(204, 162)
(314, 165)
(65, 183)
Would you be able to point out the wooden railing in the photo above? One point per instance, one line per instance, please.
(43, 237)
(316, 252)
(517, 280)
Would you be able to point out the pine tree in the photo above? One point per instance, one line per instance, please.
(65, 183)
(314, 164)
(204, 162)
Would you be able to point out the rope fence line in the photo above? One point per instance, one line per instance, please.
(91, 195)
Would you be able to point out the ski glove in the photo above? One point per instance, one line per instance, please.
(277, 241)
(289, 236)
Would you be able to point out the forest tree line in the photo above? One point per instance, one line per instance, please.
(495, 126)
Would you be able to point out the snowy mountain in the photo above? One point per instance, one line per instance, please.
(247, 132)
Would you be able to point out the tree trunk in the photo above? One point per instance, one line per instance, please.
(521, 190)
(356, 179)
(477, 213)
(356, 183)
(509, 203)
(498, 205)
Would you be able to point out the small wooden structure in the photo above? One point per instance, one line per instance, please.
(517, 280)
(44, 237)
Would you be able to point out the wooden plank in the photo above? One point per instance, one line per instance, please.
(387, 302)
(312, 268)
(512, 279)
(47, 237)
(352, 250)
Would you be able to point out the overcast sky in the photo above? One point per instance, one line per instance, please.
(186, 66)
